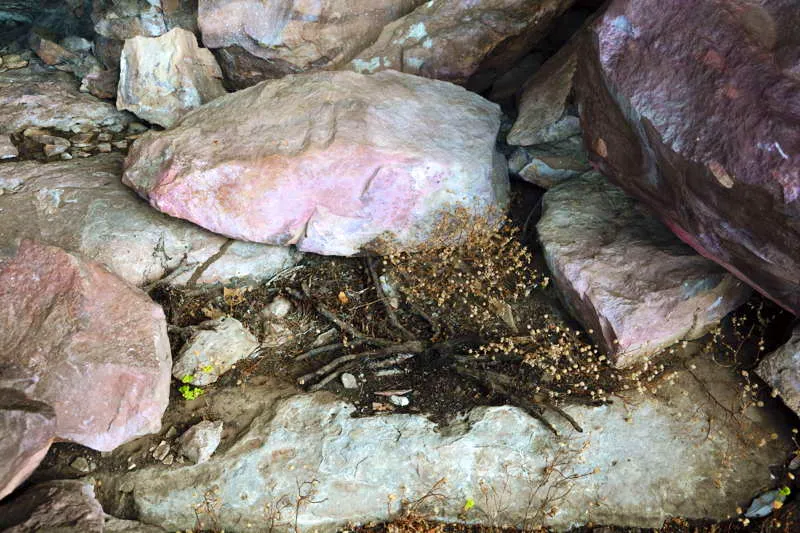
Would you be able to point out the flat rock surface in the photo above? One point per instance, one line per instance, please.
(781, 371)
(334, 162)
(298, 36)
(27, 428)
(162, 78)
(666, 446)
(693, 109)
(52, 100)
(450, 39)
(625, 276)
(71, 331)
(82, 205)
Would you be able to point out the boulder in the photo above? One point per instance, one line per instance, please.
(298, 36)
(124, 19)
(27, 428)
(358, 470)
(543, 113)
(52, 100)
(71, 331)
(781, 371)
(334, 162)
(63, 506)
(634, 285)
(162, 78)
(200, 441)
(213, 349)
(695, 111)
(82, 205)
(451, 39)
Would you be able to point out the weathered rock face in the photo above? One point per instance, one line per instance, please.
(162, 78)
(781, 371)
(63, 506)
(82, 205)
(449, 40)
(72, 331)
(335, 162)
(52, 100)
(27, 428)
(653, 445)
(694, 110)
(625, 276)
(298, 35)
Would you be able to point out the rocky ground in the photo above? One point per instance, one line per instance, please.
(398, 266)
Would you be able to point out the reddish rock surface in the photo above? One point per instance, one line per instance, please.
(451, 39)
(82, 340)
(27, 428)
(694, 108)
(334, 162)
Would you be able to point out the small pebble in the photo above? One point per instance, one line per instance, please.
(120, 144)
(54, 149)
(104, 147)
(168, 460)
(104, 137)
(349, 381)
(279, 307)
(171, 433)
(400, 401)
(161, 451)
(81, 465)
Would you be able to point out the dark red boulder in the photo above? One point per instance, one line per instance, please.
(694, 109)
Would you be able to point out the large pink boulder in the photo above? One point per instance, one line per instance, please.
(297, 36)
(694, 109)
(334, 162)
(80, 339)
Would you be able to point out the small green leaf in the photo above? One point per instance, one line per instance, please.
(190, 393)
(187, 378)
(784, 491)
(470, 503)
(206, 369)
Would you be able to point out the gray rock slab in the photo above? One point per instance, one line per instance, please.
(639, 460)
(82, 205)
